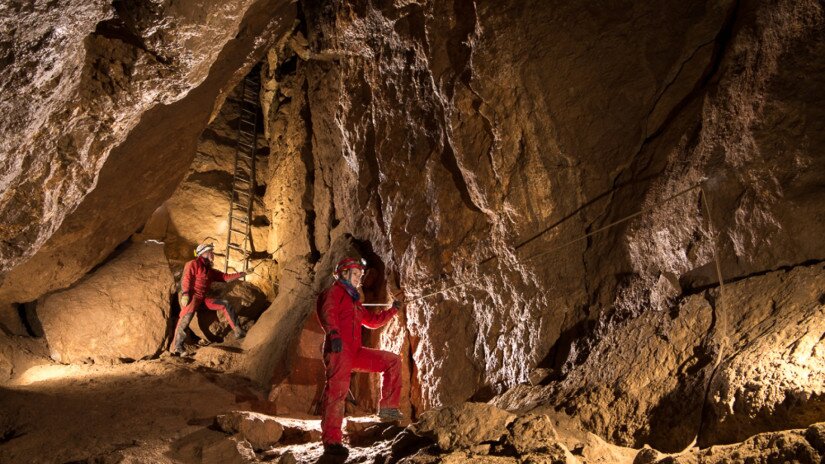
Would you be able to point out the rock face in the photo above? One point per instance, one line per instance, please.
(448, 134)
(477, 143)
(766, 374)
(119, 312)
(116, 98)
(299, 392)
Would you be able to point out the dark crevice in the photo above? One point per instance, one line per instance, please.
(124, 27)
(216, 180)
(29, 325)
(308, 199)
(118, 250)
(730, 280)
(450, 162)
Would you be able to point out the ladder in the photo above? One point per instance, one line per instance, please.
(238, 236)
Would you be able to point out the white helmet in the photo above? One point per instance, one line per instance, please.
(203, 248)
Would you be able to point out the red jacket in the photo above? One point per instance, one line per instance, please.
(198, 276)
(338, 312)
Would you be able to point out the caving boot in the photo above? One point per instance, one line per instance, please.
(390, 415)
(335, 449)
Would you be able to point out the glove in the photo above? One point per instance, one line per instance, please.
(336, 345)
(184, 300)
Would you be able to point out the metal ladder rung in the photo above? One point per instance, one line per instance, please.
(243, 179)
(232, 246)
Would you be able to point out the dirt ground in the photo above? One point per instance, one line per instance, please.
(147, 411)
(158, 411)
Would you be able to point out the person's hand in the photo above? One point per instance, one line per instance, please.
(336, 345)
(184, 301)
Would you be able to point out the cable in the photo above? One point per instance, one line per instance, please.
(566, 244)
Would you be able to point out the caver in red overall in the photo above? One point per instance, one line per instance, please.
(198, 275)
(342, 316)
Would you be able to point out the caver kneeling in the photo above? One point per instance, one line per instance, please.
(198, 276)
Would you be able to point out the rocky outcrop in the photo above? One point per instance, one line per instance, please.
(766, 374)
(803, 446)
(118, 313)
(465, 425)
(108, 106)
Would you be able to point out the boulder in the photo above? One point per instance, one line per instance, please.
(260, 431)
(770, 375)
(464, 425)
(120, 312)
(532, 433)
(300, 430)
(230, 450)
(815, 434)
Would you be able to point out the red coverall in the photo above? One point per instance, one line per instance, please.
(198, 276)
(339, 312)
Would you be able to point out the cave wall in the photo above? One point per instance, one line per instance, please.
(448, 134)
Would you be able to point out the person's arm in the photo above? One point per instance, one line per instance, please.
(187, 279)
(328, 315)
(219, 276)
(374, 320)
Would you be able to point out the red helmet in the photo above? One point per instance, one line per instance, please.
(349, 263)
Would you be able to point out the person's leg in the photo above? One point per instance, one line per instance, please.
(222, 305)
(338, 369)
(186, 315)
(389, 364)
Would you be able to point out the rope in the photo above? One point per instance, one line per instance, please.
(578, 239)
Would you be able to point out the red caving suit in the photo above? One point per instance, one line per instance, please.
(198, 276)
(338, 311)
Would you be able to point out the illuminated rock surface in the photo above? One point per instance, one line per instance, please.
(483, 145)
(118, 313)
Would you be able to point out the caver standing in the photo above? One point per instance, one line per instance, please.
(341, 314)
(198, 276)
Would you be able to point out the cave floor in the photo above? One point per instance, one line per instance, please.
(155, 411)
(144, 411)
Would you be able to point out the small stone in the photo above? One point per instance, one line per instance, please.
(232, 450)
(647, 455)
(261, 431)
(287, 458)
